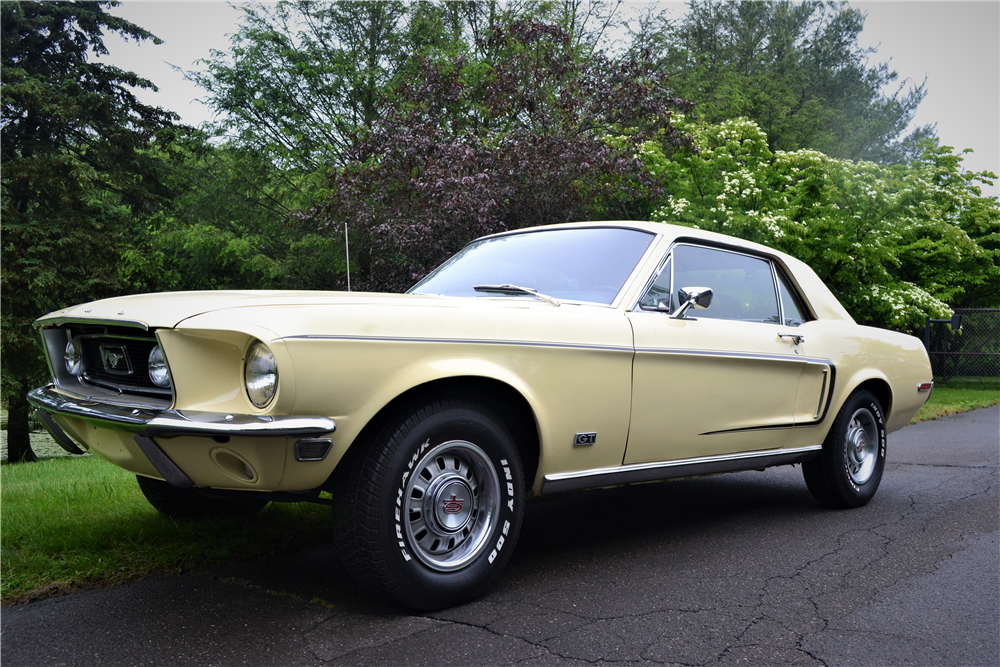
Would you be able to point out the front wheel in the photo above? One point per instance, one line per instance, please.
(430, 511)
(848, 471)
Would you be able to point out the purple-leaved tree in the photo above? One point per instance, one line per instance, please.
(534, 135)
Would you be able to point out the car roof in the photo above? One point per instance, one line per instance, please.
(663, 229)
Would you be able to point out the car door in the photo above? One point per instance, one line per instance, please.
(721, 380)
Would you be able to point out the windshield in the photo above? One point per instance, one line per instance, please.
(585, 264)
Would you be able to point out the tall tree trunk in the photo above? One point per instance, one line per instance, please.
(18, 443)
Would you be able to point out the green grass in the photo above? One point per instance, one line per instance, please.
(77, 523)
(949, 400)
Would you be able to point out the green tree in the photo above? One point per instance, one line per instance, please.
(229, 227)
(77, 173)
(796, 69)
(304, 78)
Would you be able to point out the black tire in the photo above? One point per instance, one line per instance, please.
(430, 508)
(848, 471)
(180, 503)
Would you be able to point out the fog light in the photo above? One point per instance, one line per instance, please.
(158, 371)
(74, 357)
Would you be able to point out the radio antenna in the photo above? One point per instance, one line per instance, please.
(347, 250)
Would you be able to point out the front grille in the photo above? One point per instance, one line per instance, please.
(107, 369)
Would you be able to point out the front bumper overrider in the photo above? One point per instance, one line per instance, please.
(145, 423)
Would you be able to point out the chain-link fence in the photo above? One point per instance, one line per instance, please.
(971, 354)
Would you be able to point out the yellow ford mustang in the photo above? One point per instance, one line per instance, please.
(542, 360)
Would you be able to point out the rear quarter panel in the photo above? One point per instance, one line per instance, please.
(860, 354)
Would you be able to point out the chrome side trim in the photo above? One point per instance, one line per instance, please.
(733, 355)
(822, 394)
(115, 336)
(571, 225)
(464, 341)
(166, 423)
(648, 472)
(56, 321)
(743, 429)
(777, 292)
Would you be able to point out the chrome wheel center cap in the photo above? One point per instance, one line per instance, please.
(860, 444)
(453, 505)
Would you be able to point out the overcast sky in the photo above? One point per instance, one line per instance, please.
(955, 45)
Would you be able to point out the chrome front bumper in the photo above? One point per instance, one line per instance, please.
(164, 423)
(145, 423)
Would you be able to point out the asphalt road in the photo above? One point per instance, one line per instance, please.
(737, 569)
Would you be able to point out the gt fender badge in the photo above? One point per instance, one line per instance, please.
(585, 439)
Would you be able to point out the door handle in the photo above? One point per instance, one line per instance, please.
(796, 340)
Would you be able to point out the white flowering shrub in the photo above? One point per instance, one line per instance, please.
(895, 244)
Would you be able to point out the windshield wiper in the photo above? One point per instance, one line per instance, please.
(516, 289)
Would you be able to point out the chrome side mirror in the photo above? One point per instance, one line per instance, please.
(699, 297)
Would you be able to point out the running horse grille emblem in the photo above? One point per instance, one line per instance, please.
(116, 360)
(453, 506)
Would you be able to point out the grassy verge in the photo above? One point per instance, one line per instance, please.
(82, 522)
(952, 400)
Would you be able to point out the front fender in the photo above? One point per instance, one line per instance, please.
(570, 389)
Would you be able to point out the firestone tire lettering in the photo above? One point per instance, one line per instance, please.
(437, 505)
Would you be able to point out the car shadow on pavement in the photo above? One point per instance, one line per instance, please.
(567, 532)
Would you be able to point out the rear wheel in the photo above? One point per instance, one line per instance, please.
(196, 503)
(430, 510)
(848, 471)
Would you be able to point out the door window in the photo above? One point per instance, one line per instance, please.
(742, 286)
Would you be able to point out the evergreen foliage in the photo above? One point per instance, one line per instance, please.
(227, 227)
(794, 68)
(77, 174)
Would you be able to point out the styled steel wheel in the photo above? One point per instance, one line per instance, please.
(451, 504)
(849, 468)
(427, 509)
(861, 446)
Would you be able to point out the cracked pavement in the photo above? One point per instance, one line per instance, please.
(742, 568)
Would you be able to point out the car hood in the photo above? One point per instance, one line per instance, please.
(171, 308)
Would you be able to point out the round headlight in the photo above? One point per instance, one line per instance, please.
(260, 374)
(158, 371)
(74, 357)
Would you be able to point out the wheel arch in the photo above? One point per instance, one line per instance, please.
(880, 388)
(510, 404)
